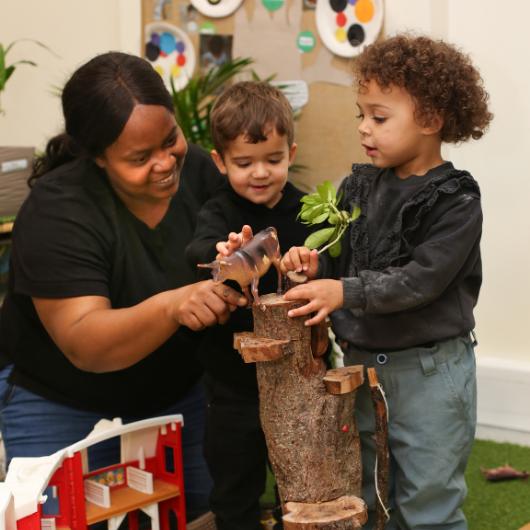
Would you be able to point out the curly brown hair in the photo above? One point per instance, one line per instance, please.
(440, 78)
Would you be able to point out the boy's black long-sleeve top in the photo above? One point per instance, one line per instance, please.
(223, 214)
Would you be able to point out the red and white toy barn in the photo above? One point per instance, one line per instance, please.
(61, 492)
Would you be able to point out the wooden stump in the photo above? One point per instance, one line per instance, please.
(311, 435)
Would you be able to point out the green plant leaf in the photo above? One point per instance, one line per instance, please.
(323, 190)
(335, 249)
(311, 198)
(319, 237)
(355, 213)
(320, 218)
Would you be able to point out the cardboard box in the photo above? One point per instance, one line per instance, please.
(15, 168)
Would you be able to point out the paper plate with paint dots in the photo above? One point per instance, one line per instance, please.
(216, 8)
(171, 53)
(348, 26)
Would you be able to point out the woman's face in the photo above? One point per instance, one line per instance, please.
(143, 165)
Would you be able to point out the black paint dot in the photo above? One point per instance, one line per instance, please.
(214, 2)
(338, 5)
(152, 51)
(356, 34)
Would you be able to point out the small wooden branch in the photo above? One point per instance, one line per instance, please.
(381, 445)
(344, 380)
(258, 349)
(345, 513)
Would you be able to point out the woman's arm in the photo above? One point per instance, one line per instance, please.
(97, 338)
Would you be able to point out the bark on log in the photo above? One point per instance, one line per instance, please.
(311, 435)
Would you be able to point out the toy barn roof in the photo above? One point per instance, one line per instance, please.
(27, 478)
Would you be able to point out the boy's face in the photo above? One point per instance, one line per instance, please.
(257, 172)
(390, 134)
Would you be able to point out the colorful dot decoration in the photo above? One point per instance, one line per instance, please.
(171, 53)
(216, 8)
(347, 26)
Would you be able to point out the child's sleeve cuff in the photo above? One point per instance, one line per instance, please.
(353, 293)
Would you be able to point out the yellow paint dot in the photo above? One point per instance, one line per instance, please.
(160, 70)
(340, 35)
(364, 10)
(175, 70)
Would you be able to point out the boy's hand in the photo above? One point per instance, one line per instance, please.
(300, 259)
(235, 241)
(325, 296)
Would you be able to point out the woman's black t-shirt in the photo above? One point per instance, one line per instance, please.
(74, 237)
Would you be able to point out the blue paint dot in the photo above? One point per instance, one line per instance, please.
(167, 42)
(352, 2)
(180, 47)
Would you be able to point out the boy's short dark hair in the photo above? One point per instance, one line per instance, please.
(440, 78)
(248, 108)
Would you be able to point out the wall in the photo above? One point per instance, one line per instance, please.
(75, 30)
(498, 160)
(498, 41)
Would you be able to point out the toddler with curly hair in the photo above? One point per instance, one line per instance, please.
(401, 294)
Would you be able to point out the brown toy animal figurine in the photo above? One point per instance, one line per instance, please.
(249, 263)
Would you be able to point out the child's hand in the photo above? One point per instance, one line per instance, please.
(300, 259)
(235, 241)
(324, 297)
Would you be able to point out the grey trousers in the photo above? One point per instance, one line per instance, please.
(431, 396)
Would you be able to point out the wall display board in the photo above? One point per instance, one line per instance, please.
(347, 26)
(171, 52)
(283, 41)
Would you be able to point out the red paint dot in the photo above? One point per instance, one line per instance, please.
(181, 60)
(345, 428)
(163, 54)
(341, 19)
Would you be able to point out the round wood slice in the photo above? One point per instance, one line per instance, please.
(345, 513)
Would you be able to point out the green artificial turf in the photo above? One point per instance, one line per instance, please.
(497, 505)
(489, 505)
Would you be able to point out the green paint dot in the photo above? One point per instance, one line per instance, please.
(208, 28)
(305, 41)
(272, 5)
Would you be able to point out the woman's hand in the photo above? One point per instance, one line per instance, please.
(325, 296)
(300, 259)
(206, 303)
(235, 241)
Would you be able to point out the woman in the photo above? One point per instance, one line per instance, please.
(100, 303)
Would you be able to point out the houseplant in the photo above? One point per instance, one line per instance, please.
(6, 70)
(194, 102)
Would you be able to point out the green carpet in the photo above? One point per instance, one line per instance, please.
(497, 505)
(489, 505)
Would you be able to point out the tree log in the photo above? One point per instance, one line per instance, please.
(311, 434)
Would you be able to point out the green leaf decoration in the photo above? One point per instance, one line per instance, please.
(356, 213)
(319, 237)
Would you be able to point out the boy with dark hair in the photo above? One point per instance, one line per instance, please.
(402, 293)
(252, 129)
